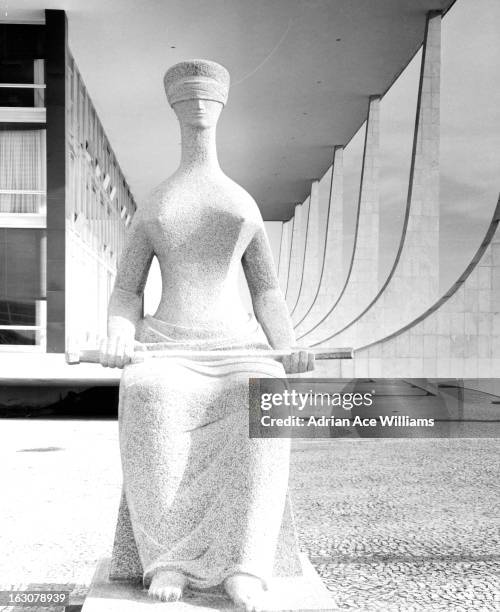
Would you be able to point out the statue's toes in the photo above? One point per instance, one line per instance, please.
(249, 602)
(165, 593)
(246, 591)
(175, 594)
(250, 605)
(167, 586)
(154, 593)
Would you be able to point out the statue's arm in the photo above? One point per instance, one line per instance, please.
(267, 298)
(125, 305)
(269, 303)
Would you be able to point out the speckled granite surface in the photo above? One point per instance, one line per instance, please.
(203, 497)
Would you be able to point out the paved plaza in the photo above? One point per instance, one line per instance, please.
(395, 524)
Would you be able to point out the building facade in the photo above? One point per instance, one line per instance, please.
(64, 201)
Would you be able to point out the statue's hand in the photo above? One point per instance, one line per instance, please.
(116, 351)
(300, 360)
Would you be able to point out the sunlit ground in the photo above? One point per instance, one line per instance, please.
(398, 524)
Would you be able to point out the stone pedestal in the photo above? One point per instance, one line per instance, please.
(306, 592)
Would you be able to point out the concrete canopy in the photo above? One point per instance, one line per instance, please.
(302, 71)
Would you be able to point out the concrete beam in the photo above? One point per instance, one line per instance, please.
(297, 253)
(362, 278)
(331, 272)
(412, 284)
(311, 267)
(55, 78)
(417, 273)
(286, 256)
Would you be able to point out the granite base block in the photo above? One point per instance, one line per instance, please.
(298, 593)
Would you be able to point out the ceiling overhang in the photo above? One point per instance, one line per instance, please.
(302, 72)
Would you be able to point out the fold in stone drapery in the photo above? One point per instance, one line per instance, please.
(203, 497)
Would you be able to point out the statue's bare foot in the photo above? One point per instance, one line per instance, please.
(167, 585)
(246, 591)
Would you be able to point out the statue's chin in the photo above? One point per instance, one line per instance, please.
(202, 123)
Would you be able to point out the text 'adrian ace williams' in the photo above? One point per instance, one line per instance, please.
(267, 420)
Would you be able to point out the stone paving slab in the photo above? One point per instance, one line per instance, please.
(390, 525)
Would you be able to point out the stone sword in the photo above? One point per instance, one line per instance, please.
(142, 352)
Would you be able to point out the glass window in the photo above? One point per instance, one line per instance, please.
(19, 336)
(22, 264)
(18, 312)
(17, 71)
(22, 171)
(22, 72)
(17, 96)
(39, 79)
(22, 286)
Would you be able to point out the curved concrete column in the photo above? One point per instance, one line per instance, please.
(297, 253)
(284, 255)
(459, 336)
(311, 268)
(412, 284)
(331, 272)
(362, 277)
(277, 264)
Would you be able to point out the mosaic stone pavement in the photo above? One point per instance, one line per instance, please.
(402, 525)
(391, 525)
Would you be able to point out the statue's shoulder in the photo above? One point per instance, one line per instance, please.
(159, 199)
(158, 194)
(243, 201)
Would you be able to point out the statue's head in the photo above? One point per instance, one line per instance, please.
(197, 91)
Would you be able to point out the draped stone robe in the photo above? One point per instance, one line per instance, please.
(199, 495)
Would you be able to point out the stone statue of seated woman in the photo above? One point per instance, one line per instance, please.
(205, 500)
